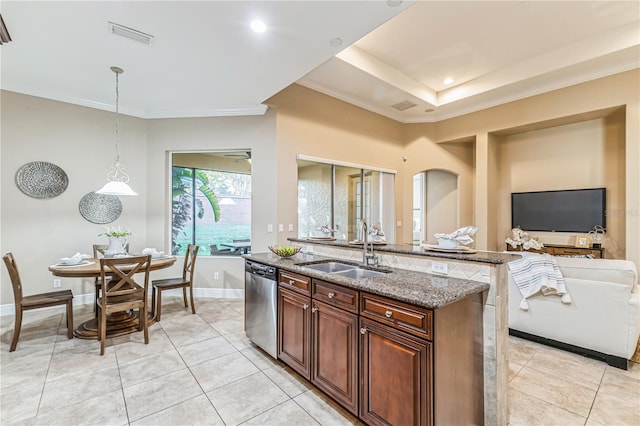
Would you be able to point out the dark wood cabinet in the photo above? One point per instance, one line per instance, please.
(294, 330)
(561, 250)
(389, 362)
(335, 354)
(395, 375)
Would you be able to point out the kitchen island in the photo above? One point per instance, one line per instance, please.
(423, 335)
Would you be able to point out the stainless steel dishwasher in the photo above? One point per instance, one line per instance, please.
(260, 305)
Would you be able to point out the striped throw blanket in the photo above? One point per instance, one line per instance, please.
(538, 273)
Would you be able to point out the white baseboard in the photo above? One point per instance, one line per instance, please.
(81, 299)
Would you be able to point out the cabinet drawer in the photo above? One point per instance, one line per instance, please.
(413, 319)
(296, 282)
(336, 295)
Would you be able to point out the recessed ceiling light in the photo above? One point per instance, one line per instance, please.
(335, 42)
(394, 3)
(258, 26)
(448, 80)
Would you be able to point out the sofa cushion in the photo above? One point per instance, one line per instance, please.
(607, 270)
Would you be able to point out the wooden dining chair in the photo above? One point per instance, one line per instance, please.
(120, 292)
(98, 252)
(36, 301)
(184, 282)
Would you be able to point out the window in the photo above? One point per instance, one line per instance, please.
(209, 208)
(332, 194)
(418, 206)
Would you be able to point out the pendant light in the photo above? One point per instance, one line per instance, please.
(117, 179)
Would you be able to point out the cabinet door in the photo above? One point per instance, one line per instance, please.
(335, 354)
(294, 331)
(395, 376)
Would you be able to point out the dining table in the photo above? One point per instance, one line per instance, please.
(242, 246)
(119, 323)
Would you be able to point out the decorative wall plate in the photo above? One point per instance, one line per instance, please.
(40, 179)
(100, 208)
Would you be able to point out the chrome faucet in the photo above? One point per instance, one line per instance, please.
(368, 258)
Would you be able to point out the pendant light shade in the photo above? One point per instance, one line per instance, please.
(117, 179)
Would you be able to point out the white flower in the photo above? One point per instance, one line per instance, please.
(116, 232)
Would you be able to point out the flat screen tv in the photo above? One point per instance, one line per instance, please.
(574, 210)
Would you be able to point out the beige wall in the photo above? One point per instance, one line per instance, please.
(81, 141)
(442, 197)
(207, 134)
(579, 155)
(422, 153)
(596, 121)
(317, 125)
(614, 100)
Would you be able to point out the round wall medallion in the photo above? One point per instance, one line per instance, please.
(100, 208)
(40, 179)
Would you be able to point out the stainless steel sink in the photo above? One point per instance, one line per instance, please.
(344, 269)
(330, 267)
(360, 273)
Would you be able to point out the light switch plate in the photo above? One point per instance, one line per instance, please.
(269, 228)
(291, 227)
(439, 268)
(280, 228)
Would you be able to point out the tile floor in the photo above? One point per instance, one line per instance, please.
(201, 370)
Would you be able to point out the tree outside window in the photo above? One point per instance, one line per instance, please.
(209, 208)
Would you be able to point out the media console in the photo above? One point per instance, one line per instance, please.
(561, 250)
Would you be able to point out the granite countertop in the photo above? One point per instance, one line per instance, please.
(474, 256)
(417, 288)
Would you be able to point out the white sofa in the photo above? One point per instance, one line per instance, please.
(603, 320)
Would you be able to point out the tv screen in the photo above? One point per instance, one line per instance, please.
(575, 210)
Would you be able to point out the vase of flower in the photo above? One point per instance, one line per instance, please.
(118, 240)
(117, 245)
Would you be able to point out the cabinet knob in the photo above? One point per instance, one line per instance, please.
(314, 310)
(388, 314)
(305, 306)
(291, 282)
(331, 295)
(363, 331)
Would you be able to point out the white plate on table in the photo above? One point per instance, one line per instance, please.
(66, 265)
(437, 247)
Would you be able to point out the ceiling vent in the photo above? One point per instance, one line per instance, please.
(129, 33)
(404, 105)
(4, 32)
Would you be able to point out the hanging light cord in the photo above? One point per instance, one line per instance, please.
(117, 179)
(117, 117)
(117, 172)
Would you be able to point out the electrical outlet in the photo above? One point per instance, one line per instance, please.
(281, 228)
(57, 283)
(216, 275)
(439, 268)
